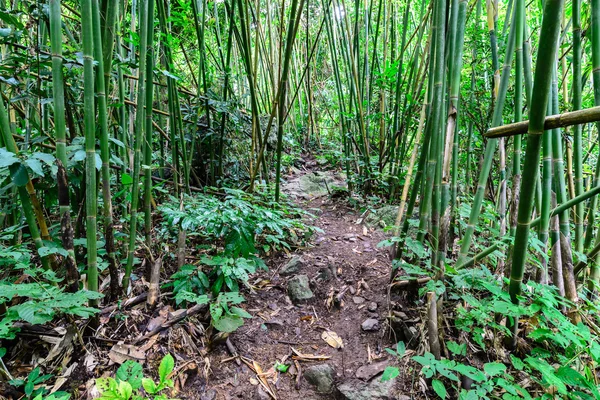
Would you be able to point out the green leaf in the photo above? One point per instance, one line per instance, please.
(439, 388)
(494, 368)
(45, 157)
(149, 385)
(2, 352)
(33, 313)
(125, 390)
(240, 312)
(228, 323)
(7, 158)
(517, 362)
(131, 372)
(281, 367)
(126, 179)
(389, 373)
(457, 349)
(166, 367)
(470, 372)
(400, 349)
(35, 165)
(18, 174)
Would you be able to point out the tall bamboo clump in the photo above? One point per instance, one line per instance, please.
(547, 50)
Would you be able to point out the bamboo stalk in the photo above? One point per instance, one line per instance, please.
(542, 81)
(551, 122)
(91, 194)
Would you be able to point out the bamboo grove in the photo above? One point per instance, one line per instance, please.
(106, 105)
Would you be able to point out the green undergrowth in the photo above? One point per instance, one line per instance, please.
(32, 295)
(554, 357)
(230, 233)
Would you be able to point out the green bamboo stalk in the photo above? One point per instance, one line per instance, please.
(490, 148)
(519, 72)
(561, 197)
(541, 89)
(148, 129)
(595, 39)
(91, 194)
(451, 148)
(26, 205)
(104, 153)
(281, 102)
(138, 139)
(577, 131)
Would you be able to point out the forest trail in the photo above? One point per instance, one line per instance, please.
(348, 276)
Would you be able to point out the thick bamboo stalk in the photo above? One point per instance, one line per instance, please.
(91, 194)
(541, 89)
(107, 210)
(139, 137)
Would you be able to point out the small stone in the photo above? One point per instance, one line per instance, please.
(355, 389)
(367, 372)
(352, 290)
(210, 394)
(370, 325)
(321, 376)
(298, 289)
(293, 266)
(358, 300)
(372, 306)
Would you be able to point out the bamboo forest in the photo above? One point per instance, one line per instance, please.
(299, 199)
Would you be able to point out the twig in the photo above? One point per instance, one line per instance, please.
(187, 313)
(233, 351)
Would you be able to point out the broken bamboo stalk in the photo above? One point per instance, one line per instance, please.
(432, 325)
(552, 121)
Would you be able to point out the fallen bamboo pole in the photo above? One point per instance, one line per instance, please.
(552, 121)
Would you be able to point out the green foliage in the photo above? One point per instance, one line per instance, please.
(391, 372)
(224, 317)
(36, 379)
(557, 359)
(130, 383)
(235, 229)
(36, 302)
(240, 224)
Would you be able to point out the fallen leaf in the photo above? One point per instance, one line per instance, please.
(121, 352)
(332, 339)
(90, 362)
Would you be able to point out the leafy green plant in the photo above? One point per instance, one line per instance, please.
(391, 372)
(224, 316)
(235, 230)
(130, 383)
(36, 379)
(36, 302)
(563, 354)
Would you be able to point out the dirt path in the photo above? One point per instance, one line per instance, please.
(342, 264)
